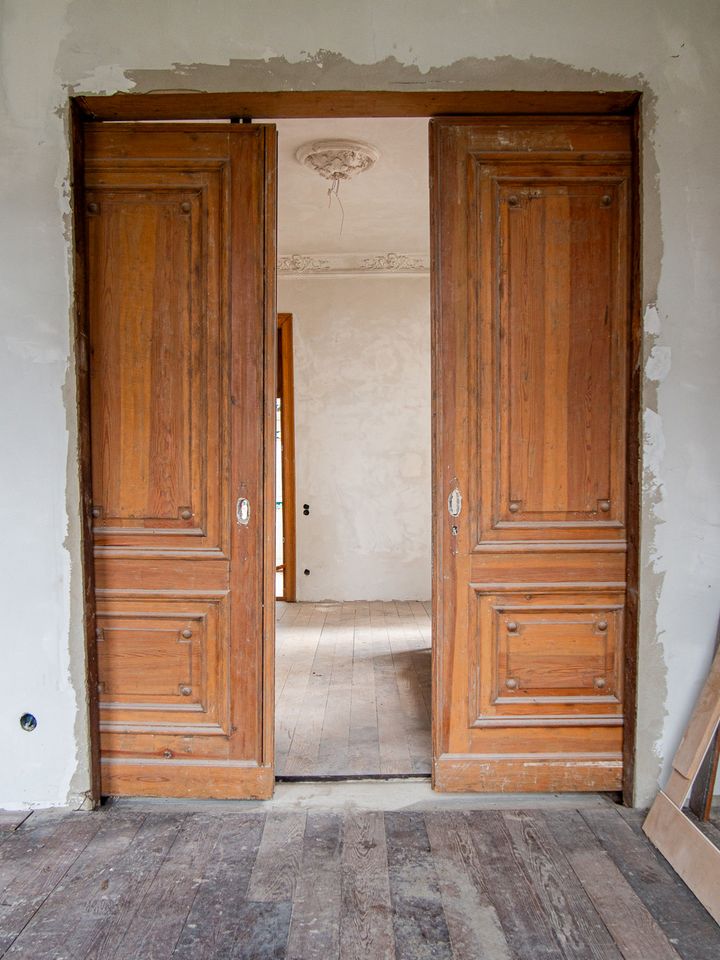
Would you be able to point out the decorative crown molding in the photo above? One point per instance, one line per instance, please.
(354, 264)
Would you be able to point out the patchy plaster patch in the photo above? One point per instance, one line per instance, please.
(327, 70)
(658, 363)
(80, 778)
(652, 665)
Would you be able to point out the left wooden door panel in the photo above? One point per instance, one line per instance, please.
(179, 234)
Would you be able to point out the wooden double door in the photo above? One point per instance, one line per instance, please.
(531, 340)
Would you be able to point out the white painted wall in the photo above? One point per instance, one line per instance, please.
(51, 48)
(362, 393)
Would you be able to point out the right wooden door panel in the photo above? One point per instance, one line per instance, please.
(531, 339)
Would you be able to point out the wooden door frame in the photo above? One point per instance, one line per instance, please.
(236, 106)
(286, 393)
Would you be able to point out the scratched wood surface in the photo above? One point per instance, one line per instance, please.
(353, 689)
(229, 883)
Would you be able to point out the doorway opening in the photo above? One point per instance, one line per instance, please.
(353, 654)
(535, 346)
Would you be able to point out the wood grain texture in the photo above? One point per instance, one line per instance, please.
(349, 103)
(179, 258)
(692, 854)
(39, 875)
(686, 924)
(366, 927)
(578, 928)
(90, 914)
(531, 285)
(162, 914)
(315, 926)
(473, 923)
(148, 880)
(688, 849)
(531, 773)
(421, 930)
(215, 921)
(630, 923)
(520, 906)
(700, 731)
(23, 848)
(279, 858)
(187, 779)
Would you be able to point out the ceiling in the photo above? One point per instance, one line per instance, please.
(386, 208)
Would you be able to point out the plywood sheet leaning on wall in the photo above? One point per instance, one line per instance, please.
(691, 854)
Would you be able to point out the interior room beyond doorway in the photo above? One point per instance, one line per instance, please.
(353, 654)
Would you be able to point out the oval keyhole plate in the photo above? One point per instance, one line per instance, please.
(455, 503)
(242, 511)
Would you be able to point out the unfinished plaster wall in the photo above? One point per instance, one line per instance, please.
(362, 438)
(51, 48)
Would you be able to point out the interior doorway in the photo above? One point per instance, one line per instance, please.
(535, 346)
(353, 656)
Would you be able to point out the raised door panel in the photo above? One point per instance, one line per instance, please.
(158, 382)
(160, 664)
(544, 657)
(553, 317)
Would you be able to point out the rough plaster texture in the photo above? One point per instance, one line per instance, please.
(52, 48)
(362, 435)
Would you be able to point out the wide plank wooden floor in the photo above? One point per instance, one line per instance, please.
(477, 884)
(353, 689)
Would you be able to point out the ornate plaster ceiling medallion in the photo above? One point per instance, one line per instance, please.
(337, 160)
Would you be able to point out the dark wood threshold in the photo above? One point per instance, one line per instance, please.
(354, 777)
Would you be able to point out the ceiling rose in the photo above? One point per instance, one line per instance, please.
(337, 160)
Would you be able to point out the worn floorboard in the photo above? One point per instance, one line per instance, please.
(213, 924)
(631, 924)
(475, 929)
(83, 901)
(520, 904)
(366, 925)
(315, 925)
(353, 689)
(684, 921)
(41, 874)
(421, 930)
(239, 883)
